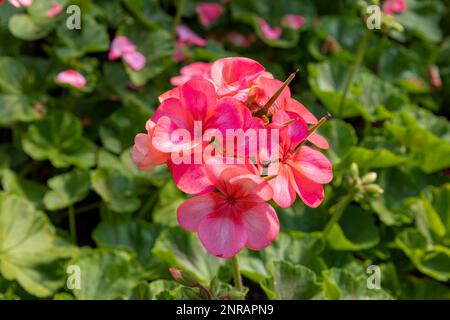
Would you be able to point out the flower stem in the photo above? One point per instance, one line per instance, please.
(236, 273)
(72, 224)
(339, 210)
(359, 57)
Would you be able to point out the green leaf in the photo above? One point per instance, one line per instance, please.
(438, 210)
(291, 282)
(341, 136)
(149, 13)
(50, 139)
(356, 230)
(24, 27)
(342, 284)
(117, 190)
(169, 199)
(28, 189)
(67, 189)
(92, 37)
(434, 261)
(296, 248)
(105, 274)
(138, 237)
(368, 96)
(426, 136)
(183, 250)
(30, 251)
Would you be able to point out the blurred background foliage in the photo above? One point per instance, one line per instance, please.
(65, 152)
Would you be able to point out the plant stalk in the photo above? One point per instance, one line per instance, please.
(72, 224)
(359, 57)
(236, 273)
(340, 208)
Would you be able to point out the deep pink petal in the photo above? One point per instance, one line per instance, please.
(292, 21)
(222, 234)
(54, 10)
(208, 13)
(188, 37)
(194, 71)
(198, 97)
(194, 210)
(169, 137)
(72, 77)
(309, 191)
(319, 141)
(119, 46)
(268, 32)
(190, 178)
(261, 223)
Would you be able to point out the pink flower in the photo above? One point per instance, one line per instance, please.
(123, 47)
(197, 102)
(185, 38)
(72, 77)
(196, 70)
(238, 40)
(144, 153)
(292, 21)
(391, 7)
(208, 13)
(301, 171)
(236, 216)
(21, 3)
(54, 10)
(268, 32)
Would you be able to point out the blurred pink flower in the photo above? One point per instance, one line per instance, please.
(208, 13)
(54, 10)
(238, 39)
(196, 70)
(391, 7)
(72, 77)
(185, 38)
(21, 3)
(236, 216)
(269, 33)
(123, 47)
(292, 21)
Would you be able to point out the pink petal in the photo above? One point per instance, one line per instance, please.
(196, 70)
(173, 109)
(238, 39)
(283, 189)
(72, 77)
(169, 137)
(319, 141)
(309, 191)
(190, 178)
(119, 46)
(222, 234)
(312, 164)
(135, 60)
(292, 21)
(187, 36)
(194, 210)
(208, 13)
(54, 10)
(198, 97)
(228, 114)
(173, 93)
(293, 105)
(268, 32)
(261, 223)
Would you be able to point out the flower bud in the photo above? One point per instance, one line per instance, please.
(370, 177)
(354, 170)
(374, 189)
(184, 278)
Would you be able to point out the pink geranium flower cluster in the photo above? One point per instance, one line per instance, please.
(233, 177)
(391, 7)
(123, 47)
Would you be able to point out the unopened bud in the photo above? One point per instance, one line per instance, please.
(184, 278)
(354, 170)
(374, 189)
(232, 295)
(371, 177)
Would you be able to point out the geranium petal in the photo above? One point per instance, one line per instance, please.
(194, 210)
(282, 186)
(312, 164)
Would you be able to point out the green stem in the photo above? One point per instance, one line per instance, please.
(148, 205)
(72, 224)
(359, 58)
(236, 273)
(340, 208)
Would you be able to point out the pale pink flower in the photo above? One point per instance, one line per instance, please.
(196, 70)
(21, 3)
(54, 10)
(123, 47)
(391, 7)
(185, 38)
(238, 39)
(269, 32)
(208, 13)
(292, 21)
(72, 77)
(236, 216)
(144, 153)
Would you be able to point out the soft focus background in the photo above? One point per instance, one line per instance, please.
(66, 151)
